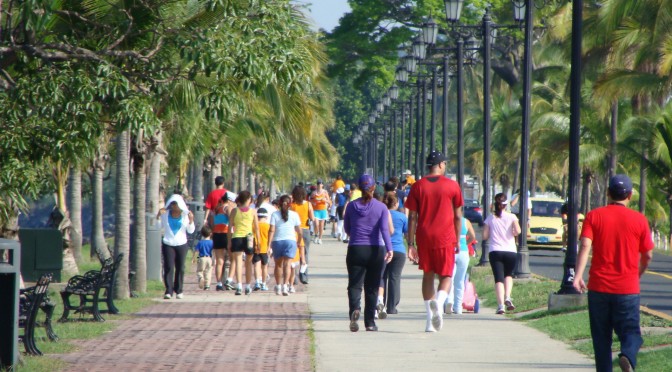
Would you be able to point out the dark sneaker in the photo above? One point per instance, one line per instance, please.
(381, 311)
(500, 309)
(372, 328)
(228, 285)
(354, 327)
(207, 288)
(257, 287)
(239, 291)
(303, 278)
(219, 287)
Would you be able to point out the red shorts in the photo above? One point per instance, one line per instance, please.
(439, 260)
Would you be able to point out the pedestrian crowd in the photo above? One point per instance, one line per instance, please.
(386, 225)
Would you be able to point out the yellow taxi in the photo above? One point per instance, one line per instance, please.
(545, 226)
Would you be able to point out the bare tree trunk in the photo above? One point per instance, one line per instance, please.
(10, 228)
(61, 177)
(533, 179)
(235, 175)
(138, 259)
(642, 180)
(252, 184)
(272, 188)
(197, 183)
(242, 175)
(98, 243)
(75, 208)
(585, 197)
(516, 176)
(154, 202)
(122, 214)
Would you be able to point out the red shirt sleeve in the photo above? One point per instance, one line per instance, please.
(587, 229)
(458, 201)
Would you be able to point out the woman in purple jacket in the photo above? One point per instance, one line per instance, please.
(366, 221)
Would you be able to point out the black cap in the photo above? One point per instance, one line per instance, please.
(620, 186)
(435, 158)
(319, 182)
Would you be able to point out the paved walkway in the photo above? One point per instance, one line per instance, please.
(212, 331)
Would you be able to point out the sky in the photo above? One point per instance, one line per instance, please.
(326, 13)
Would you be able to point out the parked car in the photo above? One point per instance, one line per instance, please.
(545, 226)
(473, 212)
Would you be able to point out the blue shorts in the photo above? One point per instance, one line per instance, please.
(321, 215)
(283, 248)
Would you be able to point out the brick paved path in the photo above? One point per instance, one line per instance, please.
(206, 331)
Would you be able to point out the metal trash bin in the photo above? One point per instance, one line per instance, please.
(42, 253)
(153, 249)
(10, 271)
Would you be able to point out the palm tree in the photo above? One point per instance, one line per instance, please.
(75, 208)
(122, 212)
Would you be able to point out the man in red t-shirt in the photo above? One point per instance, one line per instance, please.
(622, 249)
(215, 196)
(435, 221)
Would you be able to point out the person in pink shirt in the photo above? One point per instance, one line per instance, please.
(501, 229)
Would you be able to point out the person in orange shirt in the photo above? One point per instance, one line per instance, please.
(338, 182)
(305, 211)
(261, 253)
(321, 203)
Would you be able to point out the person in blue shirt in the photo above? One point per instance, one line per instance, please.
(342, 196)
(390, 285)
(204, 263)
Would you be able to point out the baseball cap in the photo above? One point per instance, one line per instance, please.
(434, 158)
(319, 181)
(620, 185)
(366, 182)
(407, 172)
(262, 212)
(231, 196)
(347, 187)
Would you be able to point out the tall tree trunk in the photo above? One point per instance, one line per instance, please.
(61, 177)
(252, 183)
(122, 214)
(564, 186)
(138, 257)
(154, 202)
(516, 176)
(98, 243)
(533, 178)
(505, 182)
(75, 208)
(197, 184)
(642, 179)
(585, 197)
(241, 176)
(613, 140)
(272, 188)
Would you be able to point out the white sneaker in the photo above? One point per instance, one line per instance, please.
(292, 289)
(315, 240)
(509, 304)
(278, 290)
(429, 327)
(179, 296)
(319, 241)
(285, 290)
(437, 317)
(448, 308)
(167, 296)
(380, 311)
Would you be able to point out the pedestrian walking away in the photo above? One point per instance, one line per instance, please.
(620, 239)
(321, 203)
(501, 229)
(241, 241)
(366, 221)
(305, 211)
(453, 304)
(261, 253)
(284, 233)
(219, 223)
(203, 250)
(176, 222)
(435, 221)
(391, 281)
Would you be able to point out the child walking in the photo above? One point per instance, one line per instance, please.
(204, 263)
(260, 258)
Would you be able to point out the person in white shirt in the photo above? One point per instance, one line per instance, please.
(501, 229)
(282, 239)
(176, 222)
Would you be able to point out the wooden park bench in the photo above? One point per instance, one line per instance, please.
(30, 301)
(92, 288)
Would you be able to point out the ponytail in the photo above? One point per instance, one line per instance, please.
(500, 204)
(367, 195)
(284, 207)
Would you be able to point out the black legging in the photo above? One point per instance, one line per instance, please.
(174, 258)
(392, 277)
(365, 264)
(502, 264)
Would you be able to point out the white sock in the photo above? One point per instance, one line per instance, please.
(441, 297)
(229, 280)
(239, 286)
(429, 311)
(219, 284)
(381, 300)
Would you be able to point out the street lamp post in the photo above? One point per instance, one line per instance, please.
(574, 143)
(460, 112)
(418, 127)
(446, 86)
(402, 137)
(432, 135)
(410, 133)
(424, 120)
(487, 22)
